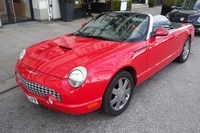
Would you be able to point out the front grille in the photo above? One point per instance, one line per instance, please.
(196, 26)
(178, 17)
(38, 89)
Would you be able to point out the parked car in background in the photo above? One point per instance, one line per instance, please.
(186, 11)
(99, 65)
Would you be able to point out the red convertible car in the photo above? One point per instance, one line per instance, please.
(99, 65)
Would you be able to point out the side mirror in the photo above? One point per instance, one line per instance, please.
(161, 32)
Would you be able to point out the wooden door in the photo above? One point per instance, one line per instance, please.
(19, 7)
(2, 7)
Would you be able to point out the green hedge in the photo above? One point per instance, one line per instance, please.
(170, 2)
(152, 1)
(115, 5)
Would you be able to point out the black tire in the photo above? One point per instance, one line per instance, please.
(185, 51)
(116, 99)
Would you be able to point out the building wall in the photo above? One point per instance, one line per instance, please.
(55, 9)
(52, 9)
(46, 9)
(40, 9)
(2, 7)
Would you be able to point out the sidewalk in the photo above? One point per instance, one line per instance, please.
(16, 37)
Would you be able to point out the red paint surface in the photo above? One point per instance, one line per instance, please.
(102, 59)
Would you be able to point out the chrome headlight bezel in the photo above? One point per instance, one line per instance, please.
(77, 76)
(21, 55)
(198, 19)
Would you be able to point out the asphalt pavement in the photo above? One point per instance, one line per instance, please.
(16, 37)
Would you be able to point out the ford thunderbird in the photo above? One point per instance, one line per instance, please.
(99, 65)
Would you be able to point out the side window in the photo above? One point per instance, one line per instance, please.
(197, 5)
(160, 21)
(141, 29)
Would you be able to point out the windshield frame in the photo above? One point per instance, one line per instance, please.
(101, 26)
(188, 5)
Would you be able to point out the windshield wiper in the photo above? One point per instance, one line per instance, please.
(99, 37)
(78, 33)
(104, 38)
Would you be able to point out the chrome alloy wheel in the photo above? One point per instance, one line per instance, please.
(186, 49)
(120, 94)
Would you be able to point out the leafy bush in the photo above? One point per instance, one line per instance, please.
(170, 2)
(115, 5)
(129, 5)
(77, 5)
(152, 1)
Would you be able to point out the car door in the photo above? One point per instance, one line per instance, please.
(162, 48)
(161, 51)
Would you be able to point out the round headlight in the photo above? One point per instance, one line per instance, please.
(198, 20)
(22, 54)
(77, 76)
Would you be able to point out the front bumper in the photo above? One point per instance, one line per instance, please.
(197, 28)
(51, 92)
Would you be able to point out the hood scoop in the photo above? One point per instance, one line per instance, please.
(64, 47)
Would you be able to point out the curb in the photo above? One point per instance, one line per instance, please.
(7, 85)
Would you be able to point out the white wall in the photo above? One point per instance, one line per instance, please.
(39, 4)
(55, 9)
(40, 9)
(52, 12)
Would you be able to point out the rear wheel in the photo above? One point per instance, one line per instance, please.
(118, 94)
(185, 52)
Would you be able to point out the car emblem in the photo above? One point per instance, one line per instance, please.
(181, 19)
(31, 72)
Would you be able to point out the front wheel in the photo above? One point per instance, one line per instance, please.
(118, 94)
(185, 52)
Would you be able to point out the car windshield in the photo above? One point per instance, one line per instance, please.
(116, 26)
(188, 5)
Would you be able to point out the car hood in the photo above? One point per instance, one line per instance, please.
(184, 15)
(59, 56)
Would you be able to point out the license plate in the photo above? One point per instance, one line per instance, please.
(32, 99)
